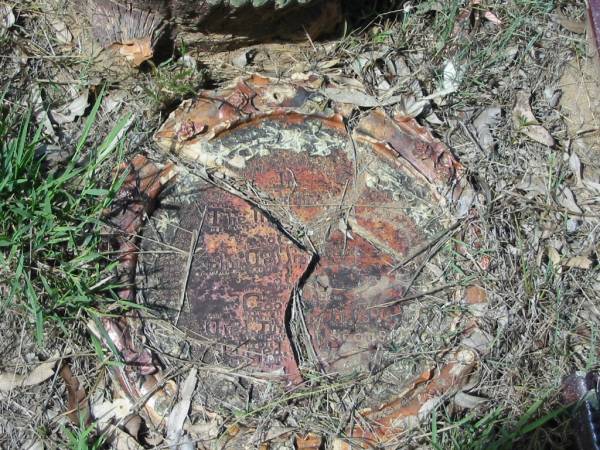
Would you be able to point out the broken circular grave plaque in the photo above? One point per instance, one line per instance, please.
(281, 216)
(361, 202)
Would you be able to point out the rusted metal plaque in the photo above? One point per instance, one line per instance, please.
(363, 201)
(238, 272)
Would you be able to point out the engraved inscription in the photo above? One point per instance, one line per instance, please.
(342, 299)
(240, 283)
(306, 185)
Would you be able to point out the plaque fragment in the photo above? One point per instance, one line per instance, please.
(235, 273)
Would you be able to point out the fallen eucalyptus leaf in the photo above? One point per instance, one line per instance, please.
(468, 401)
(69, 112)
(525, 122)
(533, 183)
(179, 412)
(553, 257)
(574, 26)
(567, 200)
(40, 113)
(414, 108)
(592, 185)
(61, 31)
(483, 123)
(575, 166)
(451, 79)
(7, 17)
(579, 262)
(10, 381)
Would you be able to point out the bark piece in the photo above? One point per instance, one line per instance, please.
(139, 377)
(79, 409)
(427, 393)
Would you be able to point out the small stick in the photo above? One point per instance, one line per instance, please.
(193, 245)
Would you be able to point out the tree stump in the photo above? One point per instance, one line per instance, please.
(210, 24)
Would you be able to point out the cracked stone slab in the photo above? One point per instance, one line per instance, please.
(364, 201)
(237, 270)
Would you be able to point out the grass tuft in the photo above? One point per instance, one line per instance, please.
(50, 234)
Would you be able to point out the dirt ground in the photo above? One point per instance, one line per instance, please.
(511, 88)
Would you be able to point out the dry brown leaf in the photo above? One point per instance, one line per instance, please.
(180, 411)
(491, 17)
(574, 26)
(579, 262)
(70, 111)
(484, 123)
(525, 122)
(79, 410)
(10, 381)
(553, 257)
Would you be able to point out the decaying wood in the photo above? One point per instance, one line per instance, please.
(210, 25)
